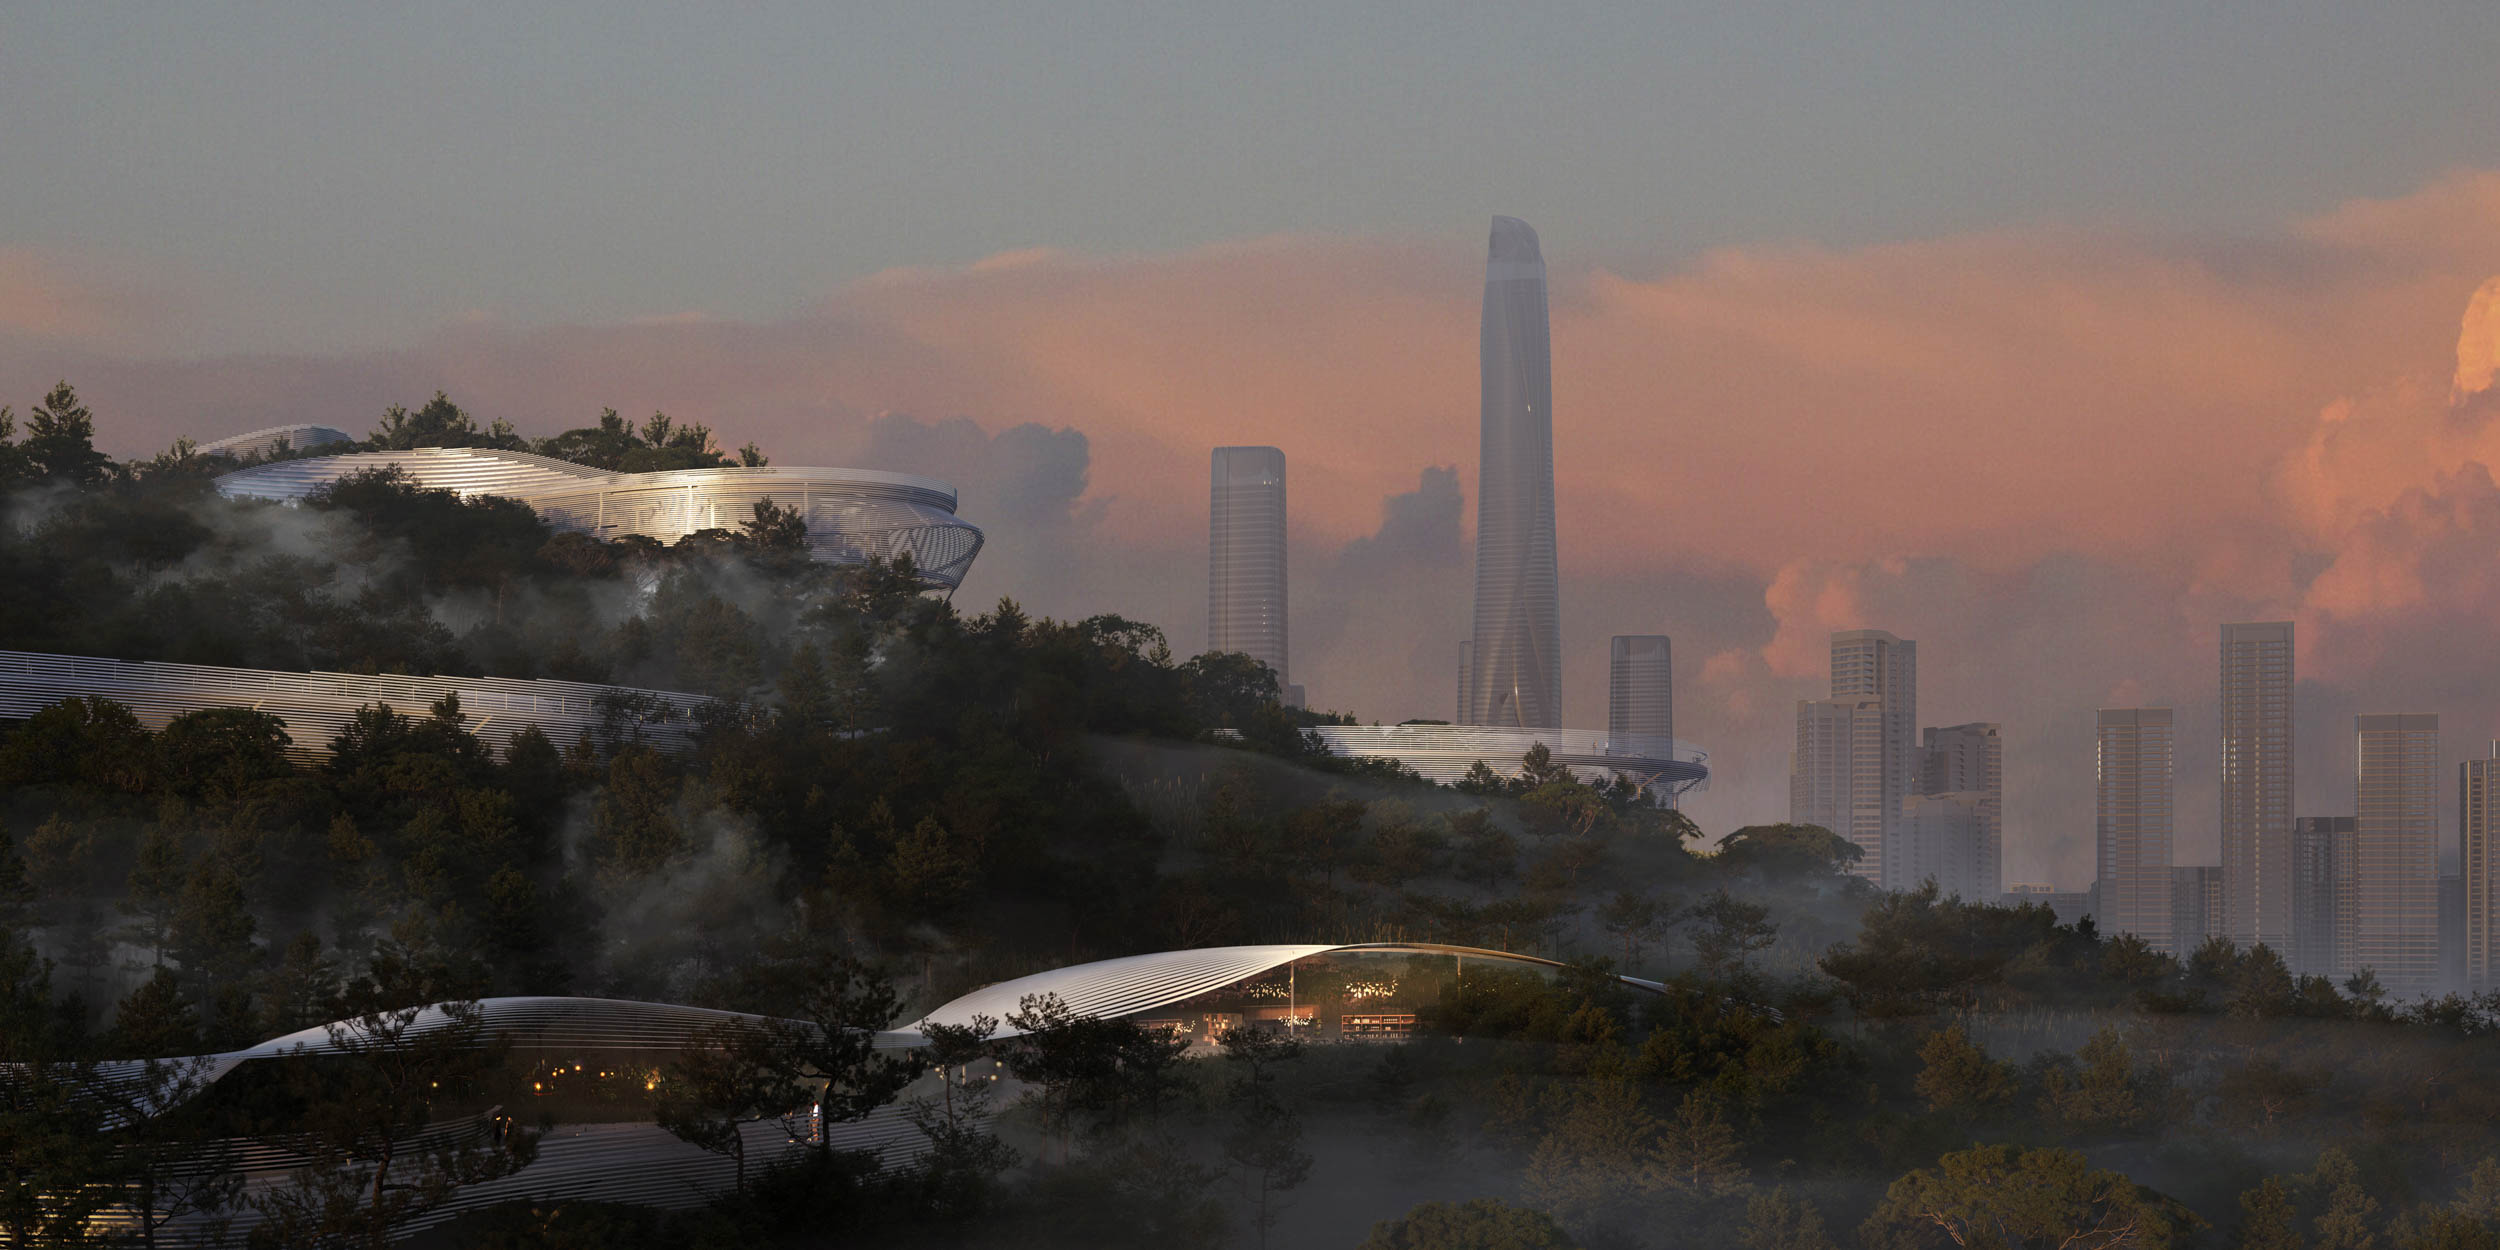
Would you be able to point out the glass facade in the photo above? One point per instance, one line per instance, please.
(1445, 753)
(1358, 995)
(2393, 904)
(1515, 673)
(2195, 906)
(2257, 783)
(1246, 555)
(2135, 760)
(1871, 663)
(2321, 845)
(1969, 761)
(1938, 839)
(1640, 689)
(852, 515)
(2478, 819)
(1836, 775)
(318, 707)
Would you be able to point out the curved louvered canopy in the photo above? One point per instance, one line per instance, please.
(852, 515)
(1126, 986)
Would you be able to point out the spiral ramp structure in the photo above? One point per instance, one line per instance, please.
(852, 515)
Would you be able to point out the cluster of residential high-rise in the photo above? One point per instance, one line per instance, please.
(1510, 668)
(2332, 894)
(1920, 805)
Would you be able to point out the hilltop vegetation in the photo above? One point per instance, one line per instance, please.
(931, 799)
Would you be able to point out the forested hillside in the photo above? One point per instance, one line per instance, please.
(932, 798)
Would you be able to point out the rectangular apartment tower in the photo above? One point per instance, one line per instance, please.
(1836, 776)
(2451, 932)
(1246, 556)
(2256, 784)
(2394, 908)
(1969, 760)
(2321, 852)
(1940, 838)
(2195, 906)
(2135, 757)
(1870, 663)
(1640, 691)
(2478, 830)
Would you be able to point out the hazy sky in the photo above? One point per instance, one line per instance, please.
(348, 175)
(2049, 335)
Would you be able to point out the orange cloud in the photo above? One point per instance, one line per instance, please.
(59, 297)
(2055, 456)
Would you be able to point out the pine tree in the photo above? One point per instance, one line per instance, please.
(637, 816)
(1727, 930)
(2266, 1218)
(373, 1166)
(1698, 1152)
(302, 990)
(156, 1021)
(1601, 1151)
(157, 873)
(213, 924)
(1959, 1078)
(56, 1171)
(1265, 1141)
(2102, 1092)
(1776, 1221)
(930, 868)
(60, 440)
(2345, 1224)
(2480, 1199)
(13, 466)
(17, 893)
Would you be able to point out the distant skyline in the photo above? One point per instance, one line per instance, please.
(2051, 339)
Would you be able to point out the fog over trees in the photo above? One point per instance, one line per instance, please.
(893, 800)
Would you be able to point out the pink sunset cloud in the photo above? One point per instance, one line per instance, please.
(2057, 457)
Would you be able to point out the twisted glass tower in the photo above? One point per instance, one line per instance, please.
(1514, 669)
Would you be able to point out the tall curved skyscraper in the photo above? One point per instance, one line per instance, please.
(1514, 669)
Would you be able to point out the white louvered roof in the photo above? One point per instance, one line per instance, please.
(1135, 983)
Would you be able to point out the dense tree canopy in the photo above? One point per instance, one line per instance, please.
(891, 800)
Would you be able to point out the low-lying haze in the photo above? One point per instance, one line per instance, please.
(2057, 458)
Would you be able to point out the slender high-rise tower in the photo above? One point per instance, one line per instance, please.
(2478, 827)
(1514, 671)
(1836, 776)
(1969, 760)
(2257, 784)
(1873, 663)
(2322, 851)
(2394, 906)
(2131, 820)
(1640, 692)
(1246, 556)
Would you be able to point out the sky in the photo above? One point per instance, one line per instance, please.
(2048, 335)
